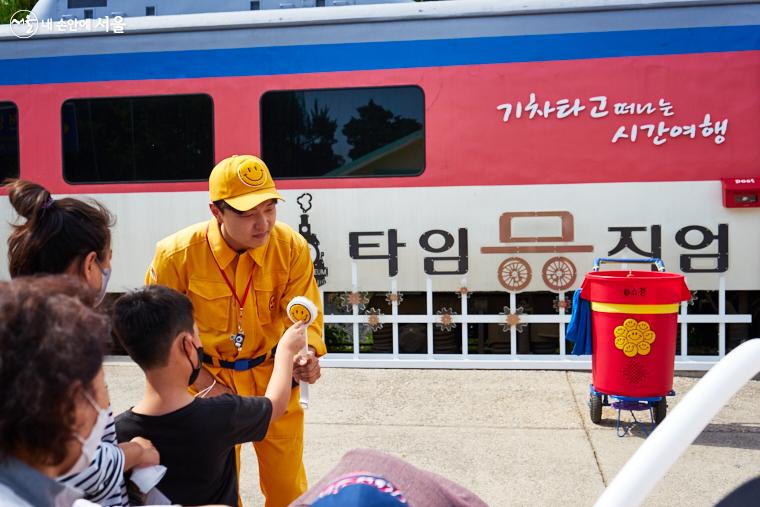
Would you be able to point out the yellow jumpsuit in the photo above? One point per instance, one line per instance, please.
(280, 270)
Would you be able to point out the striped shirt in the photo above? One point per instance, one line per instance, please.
(103, 480)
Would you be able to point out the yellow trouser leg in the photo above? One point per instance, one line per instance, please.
(282, 476)
(281, 472)
(237, 471)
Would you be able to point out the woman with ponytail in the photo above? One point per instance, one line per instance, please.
(72, 236)
(59, 236)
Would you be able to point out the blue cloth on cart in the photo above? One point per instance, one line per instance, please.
(579, 330)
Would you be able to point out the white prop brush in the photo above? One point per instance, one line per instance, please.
(301, 308)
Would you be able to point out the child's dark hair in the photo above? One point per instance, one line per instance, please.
(147, 320)
(56, 233)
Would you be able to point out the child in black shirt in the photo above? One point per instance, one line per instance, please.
(195, 437)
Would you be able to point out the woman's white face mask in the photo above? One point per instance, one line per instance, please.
(92, 442)
(105, 276)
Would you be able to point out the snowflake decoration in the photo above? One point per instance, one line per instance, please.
(692, 301)
(463, 292)
(349, 299)
(373, 319)
(567, 304)
(513, 319)
(447, 321)
(525, 306)
(390, 297)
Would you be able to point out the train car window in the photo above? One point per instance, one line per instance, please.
(9, 159)
(78, 4)
(138, 139)
(344, 133)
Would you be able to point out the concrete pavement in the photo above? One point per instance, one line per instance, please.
(516, 438)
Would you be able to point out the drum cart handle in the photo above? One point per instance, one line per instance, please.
(608, 260)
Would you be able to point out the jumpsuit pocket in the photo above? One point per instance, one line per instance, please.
(212, 302)
(268, 305)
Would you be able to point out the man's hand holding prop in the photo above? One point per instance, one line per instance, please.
(301, 308)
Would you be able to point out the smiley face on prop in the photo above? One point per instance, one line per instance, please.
(252, 172)
(300, 312)
(301, 308)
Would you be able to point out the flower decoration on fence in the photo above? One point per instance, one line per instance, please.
(349, 299)
(513, 319)
(567, 304)
(525, 305)
(391, 297)
(446, 322)
(373, 319)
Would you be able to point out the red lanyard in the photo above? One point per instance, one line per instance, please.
(240, 302)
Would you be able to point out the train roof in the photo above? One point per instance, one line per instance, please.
(369, 14)
(83, 9)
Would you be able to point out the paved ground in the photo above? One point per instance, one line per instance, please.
(513, 437)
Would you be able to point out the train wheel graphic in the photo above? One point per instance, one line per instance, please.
(514, 274)
(559, 273)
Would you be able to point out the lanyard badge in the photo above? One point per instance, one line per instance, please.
(239, 337)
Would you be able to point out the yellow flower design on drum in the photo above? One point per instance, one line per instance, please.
(634, 337)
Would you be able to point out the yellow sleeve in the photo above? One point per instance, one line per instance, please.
(164, 271)
(301, 282)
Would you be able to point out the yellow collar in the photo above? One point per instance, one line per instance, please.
(222, 251)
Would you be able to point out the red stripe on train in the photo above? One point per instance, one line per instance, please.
(468, 143)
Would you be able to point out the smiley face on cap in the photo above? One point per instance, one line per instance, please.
(252, 173)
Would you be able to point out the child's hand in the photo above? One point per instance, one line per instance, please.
(293, 340)
(149, 455)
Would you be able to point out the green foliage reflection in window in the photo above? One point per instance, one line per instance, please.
(352, 132)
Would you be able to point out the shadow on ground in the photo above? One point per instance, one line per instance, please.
(731, 435)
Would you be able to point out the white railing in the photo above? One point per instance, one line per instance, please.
(512, 360)
(670, 439)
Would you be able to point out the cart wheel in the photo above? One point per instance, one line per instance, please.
(660, 410)
(595, 408)
(559, 273)
(514, 274)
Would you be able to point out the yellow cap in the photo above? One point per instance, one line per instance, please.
(242, 181)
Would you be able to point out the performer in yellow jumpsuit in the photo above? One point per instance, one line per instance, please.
(240, 269)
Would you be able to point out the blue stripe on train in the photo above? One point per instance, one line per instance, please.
(376, 55)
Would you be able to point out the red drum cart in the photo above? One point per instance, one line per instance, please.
(633, 330)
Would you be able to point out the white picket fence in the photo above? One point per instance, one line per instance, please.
(466, 360)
